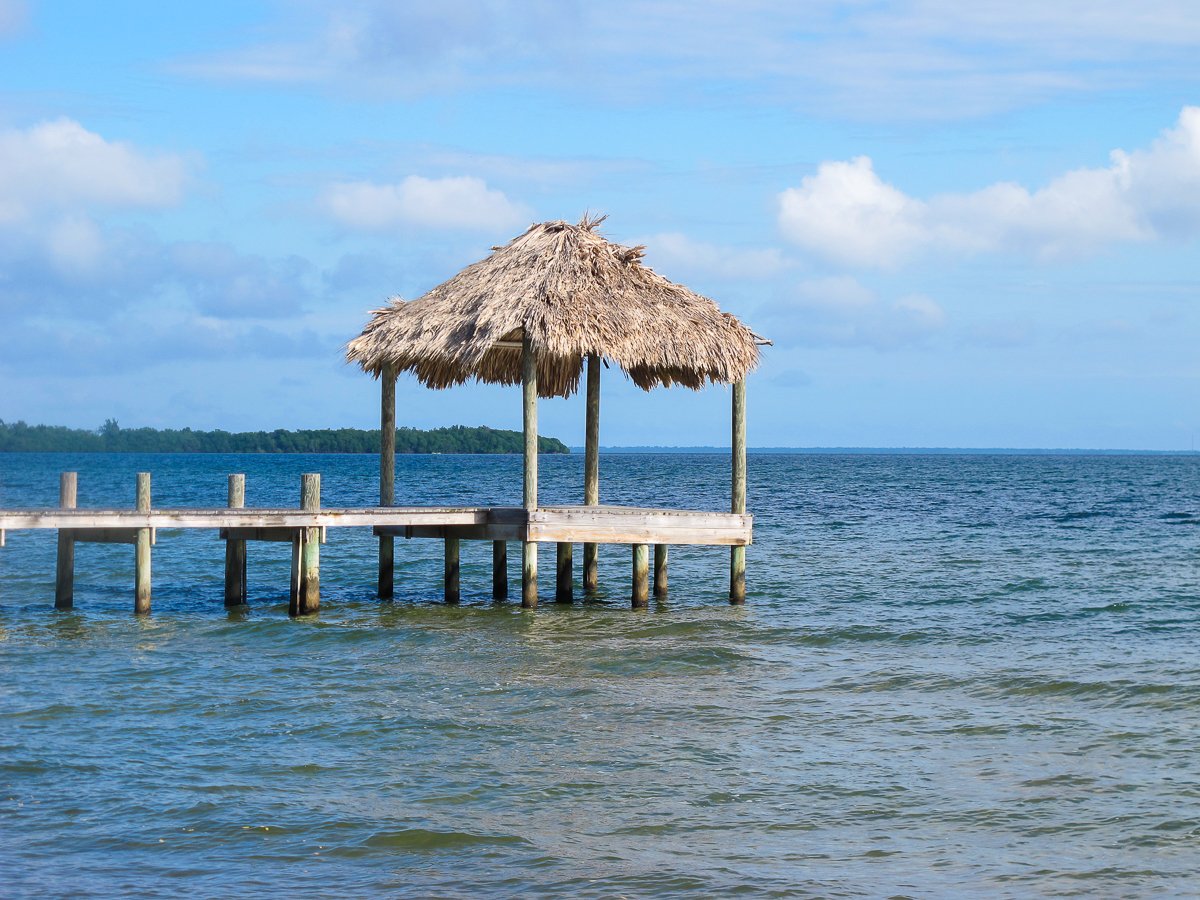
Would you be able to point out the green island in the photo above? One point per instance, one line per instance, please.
(110, 437)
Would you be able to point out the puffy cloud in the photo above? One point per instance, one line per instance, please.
(841, 311)
(454, 202)
(846, 213)
(60, 165)
(675, 250)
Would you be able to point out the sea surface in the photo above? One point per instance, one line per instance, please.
(955, 676)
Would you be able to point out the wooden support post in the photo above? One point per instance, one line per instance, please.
(529, 396)
(296, 570)
(64, 578)
(451, 570)
(310, 547)
(660, 570)
(387, 476)
(737, 555)
(499, 570)
(564, 591)
(641, 575)
(235, 549)
(141, 565)
(591, 469)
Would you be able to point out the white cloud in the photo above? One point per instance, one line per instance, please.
(841, 311)
(675, 250)
(60, 165)
(897, 59)
(75, 246)
(13, 14)
(455, 202)
(846, 213)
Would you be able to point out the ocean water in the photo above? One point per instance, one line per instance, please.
(955, 675)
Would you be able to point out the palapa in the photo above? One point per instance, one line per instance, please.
(574, 294)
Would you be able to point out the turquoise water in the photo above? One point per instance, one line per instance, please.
(955, 675)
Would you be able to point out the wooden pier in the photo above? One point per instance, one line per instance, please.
(537, 312)
(305, 529)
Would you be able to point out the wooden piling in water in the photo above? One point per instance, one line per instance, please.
(310, 547)
(641, 575)
(451, 570)
(660, 571)
(141, 565)
(564, 589)
(737, 555)
(591, 469)
(387, 476)
(499, 570)
(235, 548)
(64, 575)
(529, 395)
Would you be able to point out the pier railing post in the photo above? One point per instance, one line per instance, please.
(591, 469)
(64, 576)
(451, 570)
(141, 564)
(529, 396)
(564, 591)
(737, 555)
(387, 476)
(499, 570)
(235, 549)
(660, 570)
(310, 547)
(641, 575)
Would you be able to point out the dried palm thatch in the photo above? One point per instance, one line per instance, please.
(574, 294)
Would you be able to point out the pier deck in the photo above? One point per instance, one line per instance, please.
(305, 529)
(547, 524)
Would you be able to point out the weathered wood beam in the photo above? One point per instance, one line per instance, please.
(641, 576)
(235, 548)
(64, 576)
(737, 555)
(607, 527)
(141, 565)
(499, 570)
(108, 535)
(451, 570)
(564, 589)
(387, 477)
(310, 551)
(591, 469)
(222, 517)
(660, 570)
(462, 532)
(529, 396)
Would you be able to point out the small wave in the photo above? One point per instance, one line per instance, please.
(1024, 585)
(426, 839)
(1180, 518)
(1083, 514)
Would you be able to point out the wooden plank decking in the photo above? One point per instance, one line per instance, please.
(552, 524)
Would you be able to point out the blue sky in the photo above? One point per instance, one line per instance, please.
(963, 224)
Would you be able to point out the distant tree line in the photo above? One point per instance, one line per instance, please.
(112, 438)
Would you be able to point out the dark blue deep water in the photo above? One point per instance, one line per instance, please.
(956, 675)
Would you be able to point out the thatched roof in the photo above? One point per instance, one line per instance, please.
(574, 294)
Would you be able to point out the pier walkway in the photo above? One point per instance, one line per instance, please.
(305, 528)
